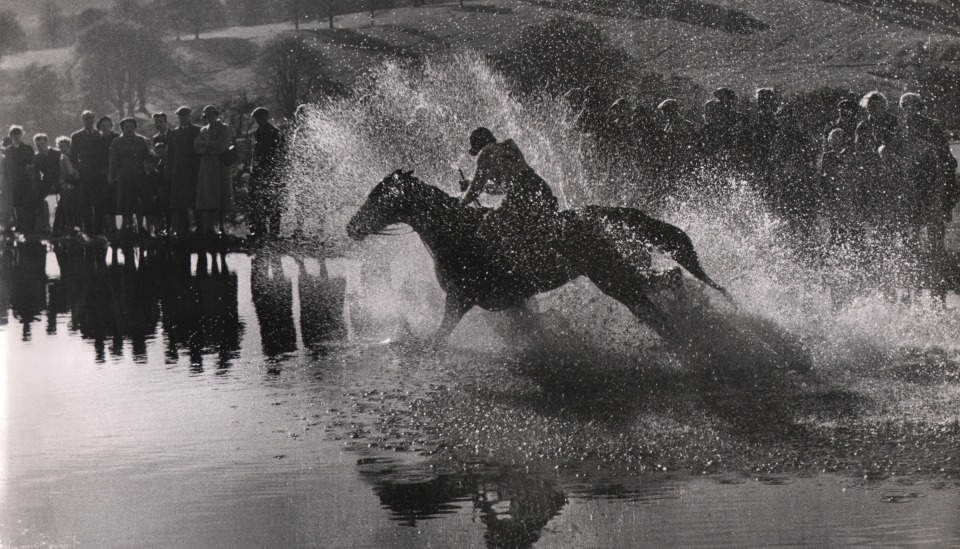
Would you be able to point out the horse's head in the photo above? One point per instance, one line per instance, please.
(388, 203)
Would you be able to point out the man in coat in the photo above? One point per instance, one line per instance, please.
(266, 185)
(17, 167)
(182, 167)
(83, 155)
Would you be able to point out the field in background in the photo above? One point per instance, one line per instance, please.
(790, 44)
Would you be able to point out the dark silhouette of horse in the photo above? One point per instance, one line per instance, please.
(608, 245)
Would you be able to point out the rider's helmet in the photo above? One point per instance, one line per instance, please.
(480, 138)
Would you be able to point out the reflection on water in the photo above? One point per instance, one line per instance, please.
(513, 507)
(285, 434)
(117, 298)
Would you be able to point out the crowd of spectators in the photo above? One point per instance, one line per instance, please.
(177, 181)
(869, 169)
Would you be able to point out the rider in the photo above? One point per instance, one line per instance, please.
(501, 168)
(527, 221)
(528, 215)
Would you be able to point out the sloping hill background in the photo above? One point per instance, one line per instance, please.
(790, 44)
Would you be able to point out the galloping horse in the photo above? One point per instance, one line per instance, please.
(475, 272)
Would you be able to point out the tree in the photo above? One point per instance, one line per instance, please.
(51, 23)
(119, 60)
(11, 33)
(294, 72)
(562, 54)
(327, 8)
(248, 12)
(43, 90)
(196, 15)
(89, 17)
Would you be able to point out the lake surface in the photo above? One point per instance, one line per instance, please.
(174, 400)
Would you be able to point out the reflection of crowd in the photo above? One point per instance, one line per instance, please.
(156, 184)
(110, 303)
(193, 297)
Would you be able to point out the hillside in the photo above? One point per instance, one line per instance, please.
(791, 44)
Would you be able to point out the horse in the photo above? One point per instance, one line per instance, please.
(609, 245)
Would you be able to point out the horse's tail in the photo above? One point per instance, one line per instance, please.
(667, 238)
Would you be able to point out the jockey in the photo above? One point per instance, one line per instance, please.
(501, 168)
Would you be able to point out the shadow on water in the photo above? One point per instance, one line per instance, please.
(754, 402)
(514, 507)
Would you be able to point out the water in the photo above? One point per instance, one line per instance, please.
(278, 399)
(138, 421)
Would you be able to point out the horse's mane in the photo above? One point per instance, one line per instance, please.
(412, 186)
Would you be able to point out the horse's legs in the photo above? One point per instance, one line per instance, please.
(453, 312)
(635, 300)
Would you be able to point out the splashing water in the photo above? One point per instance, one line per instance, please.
(419, 117)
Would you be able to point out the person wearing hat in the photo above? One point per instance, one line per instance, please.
(266, 181)
(182, 165)
(215, 196)
(127, 154)
(529, 208)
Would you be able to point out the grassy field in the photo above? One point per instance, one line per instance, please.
(791, 44)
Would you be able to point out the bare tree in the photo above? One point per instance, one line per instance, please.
(11, 33)
(294, 72)
(119, 61)
(44, 89)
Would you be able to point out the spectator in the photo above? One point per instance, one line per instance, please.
(151, 200)
(879, 127)
(127, 154)
(47, 162)
(840, 198)
(267, 196)
(159, 143)
(17, 166)
(182, 166)
(215, 198)
(6, 196)
(84, 145)
(160, 123)
(674, 145)
(931, 168)
(847, 118)
(764, 131)
(105, 192)
(69, 213)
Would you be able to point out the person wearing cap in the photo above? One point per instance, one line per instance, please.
(182, 165)
(879, 127)
(848, 113)
(266, 182)
(215, 196)
(529, 208)
(127, 154)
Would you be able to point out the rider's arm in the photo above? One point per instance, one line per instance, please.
(480, 177)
